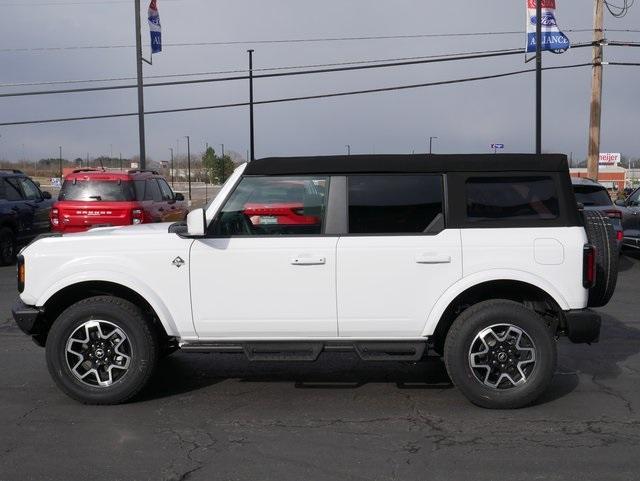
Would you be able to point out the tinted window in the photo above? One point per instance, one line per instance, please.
(274, 206)
(12, 189)
(96, 190)
(634, 199)
(152, 191)
(30, 189)
(588, 195)
(139, 188)
(517, 198)
(167, 193)
(400, 204)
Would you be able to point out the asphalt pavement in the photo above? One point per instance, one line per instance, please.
(219, 417)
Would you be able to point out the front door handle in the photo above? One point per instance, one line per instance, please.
(430, 258)
(308, 261)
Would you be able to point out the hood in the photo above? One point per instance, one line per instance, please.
(140, 229)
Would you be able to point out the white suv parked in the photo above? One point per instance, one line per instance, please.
(481, 259)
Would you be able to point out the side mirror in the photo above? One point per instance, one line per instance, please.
(196, 223)
(46, 195)
(179, 196)
(620, 203)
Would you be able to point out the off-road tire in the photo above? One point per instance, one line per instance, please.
(127, 317)
(602, 236)
(481, 316)
(8, 246)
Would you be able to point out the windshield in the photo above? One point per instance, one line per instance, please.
(97, 190)
(592, 195)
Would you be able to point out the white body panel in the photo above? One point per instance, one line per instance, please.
(388, 284)
(275, 287)
(137, 257)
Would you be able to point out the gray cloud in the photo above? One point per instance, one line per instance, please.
(466, 118)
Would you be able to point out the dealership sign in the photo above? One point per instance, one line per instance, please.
(609, 159)
(552, 38)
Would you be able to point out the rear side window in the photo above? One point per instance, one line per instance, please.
(515, 198)
(394, 204)
(12, 189)
(97, 190)
(591, 195)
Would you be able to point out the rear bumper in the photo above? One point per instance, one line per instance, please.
(583, 326)
(30, 320)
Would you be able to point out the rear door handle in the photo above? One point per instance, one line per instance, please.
(433, 259)
(308, 261)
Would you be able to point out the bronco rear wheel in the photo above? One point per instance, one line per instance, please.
(101, 350)
(500, 354)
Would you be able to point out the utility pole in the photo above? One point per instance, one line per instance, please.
(143, 153)
(431, 144)
(222, 166)
(596, 91)
(60, 160)
(120, 161)
(251, 131)
(172, 171)
(539, 77)
(189, 164)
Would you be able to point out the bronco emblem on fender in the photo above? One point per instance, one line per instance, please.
(178, 262)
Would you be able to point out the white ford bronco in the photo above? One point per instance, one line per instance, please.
(481, 259)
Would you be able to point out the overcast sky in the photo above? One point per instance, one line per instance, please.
(465, 117)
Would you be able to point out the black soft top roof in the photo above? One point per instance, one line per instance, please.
(417, 163)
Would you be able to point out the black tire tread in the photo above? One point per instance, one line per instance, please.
(601, 234)
(149, 336)
(455, 332)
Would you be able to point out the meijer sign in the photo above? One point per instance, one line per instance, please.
(609, 159)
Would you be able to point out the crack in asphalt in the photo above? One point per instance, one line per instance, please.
(614, 393)
(191, 447)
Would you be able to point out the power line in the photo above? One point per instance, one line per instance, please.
(285, 41)
(619, 11)
(301, 98)
(264, 69)
(493, 54)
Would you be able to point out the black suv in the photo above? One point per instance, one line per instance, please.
(24, 213)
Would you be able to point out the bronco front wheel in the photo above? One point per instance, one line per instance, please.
(500, 354)
(101, 350)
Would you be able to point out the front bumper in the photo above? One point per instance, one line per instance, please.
(30, 320)
(583, 326)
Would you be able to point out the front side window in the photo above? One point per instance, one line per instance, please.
(634, 199)
(31, 191)
(97, 190)
(274, 206)
(394, 204)
(511, 198)
(152, 191)
(167, 193)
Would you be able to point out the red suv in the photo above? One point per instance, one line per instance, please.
(96, 198)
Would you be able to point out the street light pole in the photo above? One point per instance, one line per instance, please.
(222, 166)
(172, 171)
(539, 77)
(60, 160)
(431, 139)
(348, 149)
(143, 153)
(189, 164)
(251, 129)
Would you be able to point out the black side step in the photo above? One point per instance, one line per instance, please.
(283, 351)
(390, 351)
(310, 350)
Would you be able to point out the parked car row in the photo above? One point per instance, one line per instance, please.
(88, 198)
